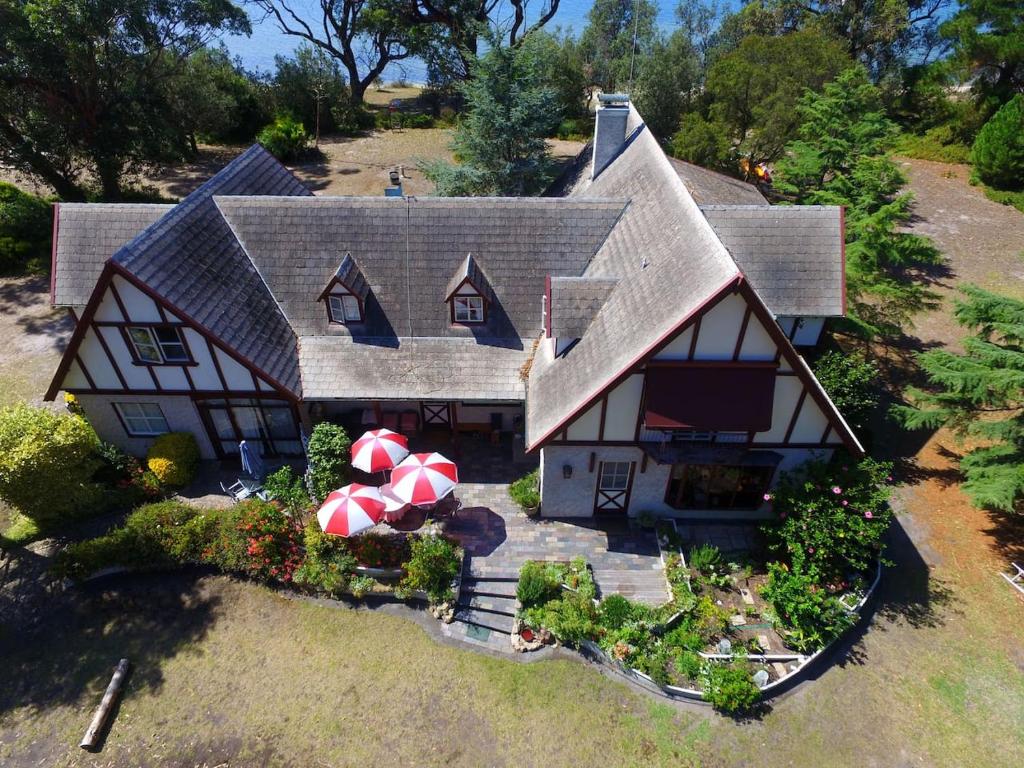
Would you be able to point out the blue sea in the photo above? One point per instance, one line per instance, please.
(257, 52)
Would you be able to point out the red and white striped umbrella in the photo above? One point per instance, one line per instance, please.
(424, 478)
(379, 449)
(350, 510)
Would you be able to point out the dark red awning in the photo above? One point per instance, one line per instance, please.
(726, 397)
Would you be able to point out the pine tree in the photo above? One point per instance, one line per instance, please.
(501, 140)
(980, 394)
(839, 160)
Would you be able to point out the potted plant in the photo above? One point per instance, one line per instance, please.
(526, 493)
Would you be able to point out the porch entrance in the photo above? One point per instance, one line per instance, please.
(270, 422)
(614, 483)
(437, 414)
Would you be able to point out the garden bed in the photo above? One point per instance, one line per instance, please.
(742, 625)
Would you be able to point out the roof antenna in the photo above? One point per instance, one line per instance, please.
(632, 53)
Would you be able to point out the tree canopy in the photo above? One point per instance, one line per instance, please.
(608, 40)
(500, 141)
(84, 84)
(979, 394)
(839, 159)
(754, 90)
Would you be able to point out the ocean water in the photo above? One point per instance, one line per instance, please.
(267, 40)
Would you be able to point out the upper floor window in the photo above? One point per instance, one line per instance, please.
(344, 308)
(468, 308)
(157, 344)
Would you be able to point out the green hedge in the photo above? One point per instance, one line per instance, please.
(26, 227)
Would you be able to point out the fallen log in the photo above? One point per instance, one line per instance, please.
(99, 719)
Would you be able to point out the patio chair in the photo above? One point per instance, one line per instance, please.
(244, 489)
(447, 508)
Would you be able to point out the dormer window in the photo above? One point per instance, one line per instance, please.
(344, 308)
(345, 294)
(468, 308)
(469, 293)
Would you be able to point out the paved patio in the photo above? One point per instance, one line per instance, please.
(499, 538)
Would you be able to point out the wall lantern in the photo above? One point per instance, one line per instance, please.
(567, 471)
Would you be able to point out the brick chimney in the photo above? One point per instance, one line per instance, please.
(609, 129)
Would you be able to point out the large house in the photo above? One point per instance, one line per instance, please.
(637, 326)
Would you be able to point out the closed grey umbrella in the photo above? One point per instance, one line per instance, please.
(252, 462)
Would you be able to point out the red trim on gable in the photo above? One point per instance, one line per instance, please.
(842, 253)
(104, 281)
(53, 254)
(472, 285)
(811, 385)
(724, 290)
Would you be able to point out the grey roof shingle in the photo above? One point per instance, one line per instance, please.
(348, 275)
(574, 303)
(709, 187)
(470, 270)
(87, 235)
(668, 261)
(792, 255)
(410, 369)
(409, 248)
(192, 259)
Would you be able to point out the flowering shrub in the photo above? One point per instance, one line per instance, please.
(173, 458)
(379, 550)
(271, 539)
(126, 474)
(830, 517)
(809, 615)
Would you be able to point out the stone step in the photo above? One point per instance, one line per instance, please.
(495, 587)
(505, 606)
(492, 573)
(496, 622)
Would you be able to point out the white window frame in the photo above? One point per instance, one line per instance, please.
(471, 309)
(344, 308)
(134, 415)
(615, 475)
(155, 344)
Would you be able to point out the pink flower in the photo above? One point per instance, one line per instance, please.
(868, 514)
(888, 478)
(767, 497)
(845, 502)
(836, 490)
(810, 550)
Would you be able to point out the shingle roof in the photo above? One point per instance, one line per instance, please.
(409, 248)
(87, 235)
(470, 270)
(191, 258)
(349, 275)
(709, 187)
(668, 261)
(410, 369)
(792, 255)
(575, 301)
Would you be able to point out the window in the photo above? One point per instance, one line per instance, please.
(717, 486)
(158, 344)
(344, 308)
(142, 419)
(468, 309)
(614, 475)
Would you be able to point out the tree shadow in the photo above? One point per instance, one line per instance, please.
(20, 294)
(146, 618)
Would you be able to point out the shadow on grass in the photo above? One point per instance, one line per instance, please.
(146, 618)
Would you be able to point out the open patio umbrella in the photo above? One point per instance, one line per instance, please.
(350, 510)
(424, 478)
(394, 507)
(379, 449)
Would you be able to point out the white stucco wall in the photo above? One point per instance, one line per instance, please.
(180, 412)
(574, 497)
